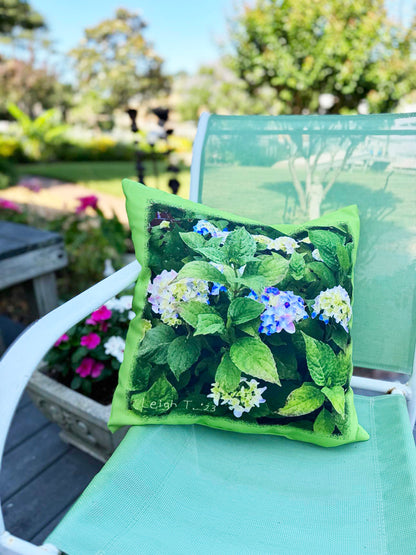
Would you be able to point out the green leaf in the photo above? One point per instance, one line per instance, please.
(256, 283)
(156, 342)
(303, 400)
(297, 266)
(243, 310)
(213, 254)
(239, 247)
(343, 258)
(323, 273)
(343, 368)
(324, 423)
(340, 337)
(286, 362)
(198, 269)
(76, 382)
(254, 358)
(321, 360)
(273, 268)
(160, 398)
(228, 375)
(191, 310)
(326, 242)
(182, 353)
(251, 328)
(193, 240)
(336, 396)
(208, 324)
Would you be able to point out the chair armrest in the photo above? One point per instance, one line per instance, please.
(23, 356)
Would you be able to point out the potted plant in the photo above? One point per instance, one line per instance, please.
(74, 385)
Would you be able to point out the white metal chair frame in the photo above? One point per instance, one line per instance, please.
(28, 350)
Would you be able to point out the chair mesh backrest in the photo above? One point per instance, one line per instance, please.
(288, 168)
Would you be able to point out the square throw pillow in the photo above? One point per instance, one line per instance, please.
(240, 326)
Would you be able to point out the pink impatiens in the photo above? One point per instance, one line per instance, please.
(10, 205)
(62, 339)
(89, 367)
(90, 341)
(99, 315)
(85, 202)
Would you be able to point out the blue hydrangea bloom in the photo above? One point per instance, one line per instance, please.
(283, 309)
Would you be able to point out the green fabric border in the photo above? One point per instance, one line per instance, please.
(138, 200)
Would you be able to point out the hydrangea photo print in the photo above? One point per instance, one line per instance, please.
(246, 323)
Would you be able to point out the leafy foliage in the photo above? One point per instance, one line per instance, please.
(117, 62)
(216, 354)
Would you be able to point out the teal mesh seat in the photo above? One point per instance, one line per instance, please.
(190, 489)
(198, 490)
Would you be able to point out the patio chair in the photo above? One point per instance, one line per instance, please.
(190, 489)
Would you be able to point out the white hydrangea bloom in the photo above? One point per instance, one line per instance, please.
(115, 346)
(242, 399)
(317, 255)
(165, 295)
(333, 303)
(287, 245)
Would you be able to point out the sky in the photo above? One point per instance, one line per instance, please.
(184, 32)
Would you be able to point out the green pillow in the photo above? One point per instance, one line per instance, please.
(240, 326)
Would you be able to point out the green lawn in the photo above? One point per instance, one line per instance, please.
(105, 177)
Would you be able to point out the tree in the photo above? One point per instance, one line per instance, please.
(27, 86)
(216, 88)
(347, 48)
(115, 60)
(18, 14)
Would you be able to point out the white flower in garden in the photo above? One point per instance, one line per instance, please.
(317, 255)
(246, 396)
(131, 315)
(120, 305)
(165, 295)
(115, 346)
(333, 303)
(165, 224)
(287, 245)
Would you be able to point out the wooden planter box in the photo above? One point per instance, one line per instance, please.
(83, 422)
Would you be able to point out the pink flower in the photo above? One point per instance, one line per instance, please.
(85, 202)
(99, 315)
(104, 326)
(10, 205)
(32, 183)
(61, 339)
(89, 367)
(91, 340)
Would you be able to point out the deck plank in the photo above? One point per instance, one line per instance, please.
(27, 421)
(34, 506)
(26, 461)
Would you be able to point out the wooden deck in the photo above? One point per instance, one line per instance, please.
(41, 476)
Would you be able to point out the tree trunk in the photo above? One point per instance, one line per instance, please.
(314, 196)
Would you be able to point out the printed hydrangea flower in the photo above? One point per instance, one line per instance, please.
(204, 228)
(287, 245)
(115, 346)
(333, 303)
(246, 396)
(283, 309)
(165, 296)
(317, 255)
